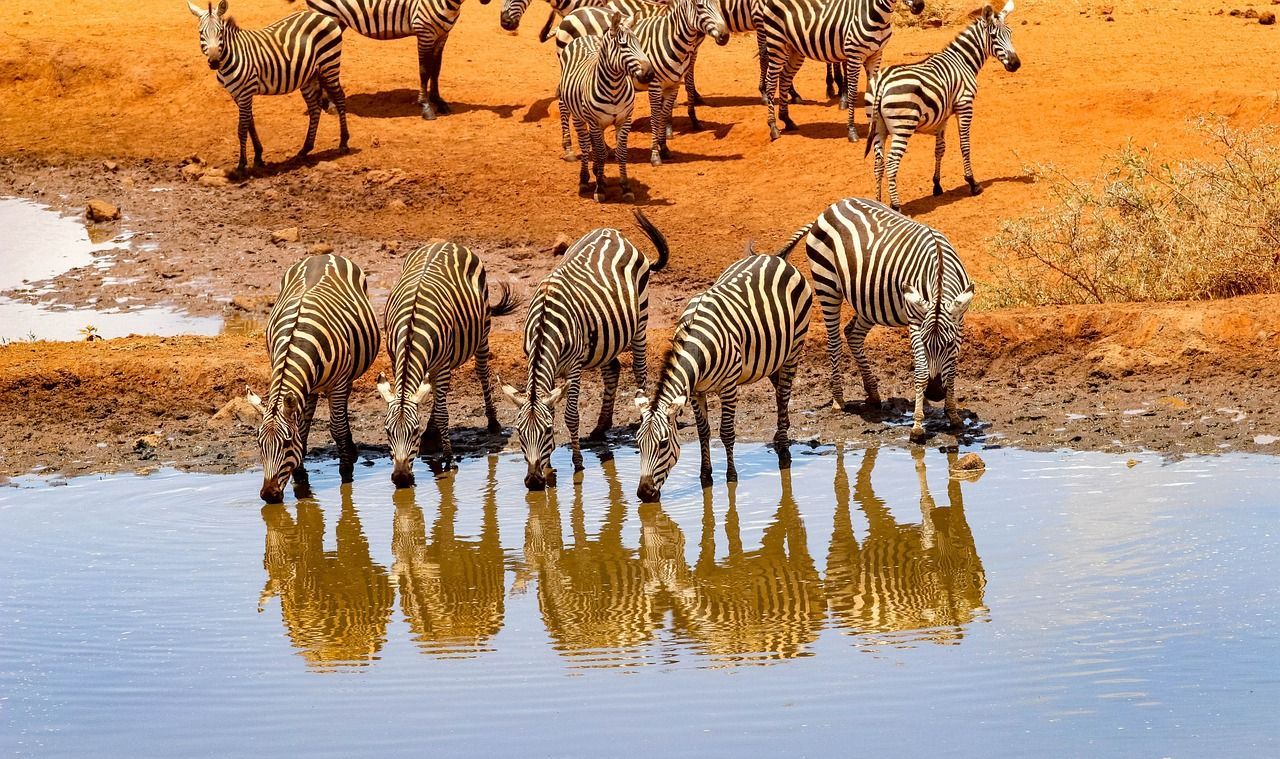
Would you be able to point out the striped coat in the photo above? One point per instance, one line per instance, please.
(437, 318)
(301, 51)
(750, 324)
(321, 336)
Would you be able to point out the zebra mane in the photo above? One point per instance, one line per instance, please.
(979, 12)
(535, 356)
(668, 363)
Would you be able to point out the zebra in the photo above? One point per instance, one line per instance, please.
(851, 32)
(437, 318)
(750, 324)
(667, 35)
(300, 51)
(321, 336)
(430, 21)
(596, 89)
(922, 97)
(895, 272)
(513, 11)
(582, 315)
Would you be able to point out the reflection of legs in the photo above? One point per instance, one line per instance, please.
(609, 373)
(728, 410)
(928, 533)
(573, 384)
(704, 436)
(855, 333)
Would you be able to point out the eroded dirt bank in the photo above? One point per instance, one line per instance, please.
(1181, 378)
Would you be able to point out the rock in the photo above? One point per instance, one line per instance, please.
(1234, 12)
(1106, 10)
(213, 180)
(933, 23)
(288, 234)
(111, 166)
(969, 466)
(390, 246)
(1266, 18)
(101, 210)
(193, 158)
(319, 249)
(1109, 19)
(127, 183)
(397, 204)
(1131, 463)
(271, 194)
(1251, 13)
(252, 303)
(235, 413)
(146, 446)
(191, 172)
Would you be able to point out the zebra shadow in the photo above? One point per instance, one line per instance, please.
(922, 206)
(538, 110)
(680, 127)
(403, 103)
(294, 163)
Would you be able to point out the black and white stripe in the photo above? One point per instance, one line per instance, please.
(300, 51)
(922, 97)
(596, 90)
(321, 336)
(437, 318)
(895, 272)
(583, 315)
(750, 324)
(852, 33)
(430, 21)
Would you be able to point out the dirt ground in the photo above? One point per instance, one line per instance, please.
(103, 81)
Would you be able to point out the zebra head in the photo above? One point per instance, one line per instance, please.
(404, 428)
(936, 334)
(711, 21)
(279, 443)
(659, 443)
(535, 428)
(999, 41)
(512, 12)
(620, 45)
(212, 26)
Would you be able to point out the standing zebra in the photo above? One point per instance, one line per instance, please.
(851, 32)
(513, 11)
(921, 97)
(749, 325)
(430, 21)
(300, 51)
(895, 272)
(668, 36)
(583, 315)
(321, 336)
(437, 318)
(596, 89)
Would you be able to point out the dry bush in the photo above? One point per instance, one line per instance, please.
(1151, 231)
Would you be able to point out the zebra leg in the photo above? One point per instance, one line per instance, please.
(657, 139)
(301, 483)
(584, 149)
(855, 333)
(772, 71)
(598, 153)
(640, 352)
(953, 413)
(917, 417)
(831, 303)
(545, 34)
(440, 415)
(425, 54)
(939, 148)
(789, 70)
(565, 140)
(704, 436)
(622, 135)
(573, 386)
(243, 126)
(877, 143)
(782, 381)
(690, 88)
(897, 148)
(310, 93)
(833, 89)
(333, 88)
(438, 63)
(340, 429)
(964, 114)
(850, 94)
(728, 411)
(486, 383)
(762, 51)
(609, 373)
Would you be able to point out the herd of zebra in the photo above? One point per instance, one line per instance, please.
(608, 47)
(750, 324)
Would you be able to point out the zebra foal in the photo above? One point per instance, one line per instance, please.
(749, 325)
(852, 33)
(596, 90)
(300, 51)
(895, 272)
(321, 336)
(429, 21)
(583, 315)
(922, 97)
(437, 318)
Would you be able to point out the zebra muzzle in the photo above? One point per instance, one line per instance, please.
(934, 390)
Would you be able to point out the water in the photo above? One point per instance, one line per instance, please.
(37, 244)
(1063, 604)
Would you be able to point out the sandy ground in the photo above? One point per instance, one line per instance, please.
(104, 81)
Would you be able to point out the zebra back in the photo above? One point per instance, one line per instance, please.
(828, 30)
(278, 58)
(392, 19)
(668, 33)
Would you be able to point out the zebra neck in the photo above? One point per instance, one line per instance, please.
(611, 71)
(680, 375)
(967, 49)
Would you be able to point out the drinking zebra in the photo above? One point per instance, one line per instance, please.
(300, 51)
(922, 97)
(321, 336)
(895, 272)
(590, 308)
(430, 21)
(437, 319)
(749, 325)
(849, 32)
(596, 90)
(668, 35)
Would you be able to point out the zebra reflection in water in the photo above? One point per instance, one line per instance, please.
(925, 579)
(451, 589)
(335, 604)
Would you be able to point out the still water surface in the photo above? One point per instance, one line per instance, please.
(861, 602)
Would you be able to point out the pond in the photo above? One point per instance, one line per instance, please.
(1062, 604)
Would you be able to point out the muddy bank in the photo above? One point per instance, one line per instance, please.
(1179, 378)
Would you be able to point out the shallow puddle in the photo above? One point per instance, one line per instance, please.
(1062, 604)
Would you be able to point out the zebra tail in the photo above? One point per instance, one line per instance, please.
(785, 250)
(507, 301)
(655, 237)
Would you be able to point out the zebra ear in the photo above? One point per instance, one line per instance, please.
(195, 9)
(254, 400)
(1008, 8)
(615, 21)
(222, 8)
(515, 396)
(961, 303)
(676, 406)
(423, 391)
(641, 401)
(384, 388)
(554, 396)
(917, 306)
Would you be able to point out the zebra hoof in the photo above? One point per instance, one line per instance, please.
(975, 188)
(584, 188)
(629, 196)
(344, 149)
(443, 108)
(428, 114)
(569, 157)
(837, 404)
(918, 435)
(773, 133)
(655, 159)
(705, 478)
(937, 188)
(896, 207)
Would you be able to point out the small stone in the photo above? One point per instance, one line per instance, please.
(237, 412)
(111, 166)
(1251, 13)
(1266, 18)
(320, 249)
(933, 23)
(1109, 19)
(271, 194)
(127, 183)
(101, 210)
(1234, 12)
(970, 462)
(213, 180)
(390, 246)
(397, 204)
(1131, 463)
(192, 171)
(146, 446)
(288, 234)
